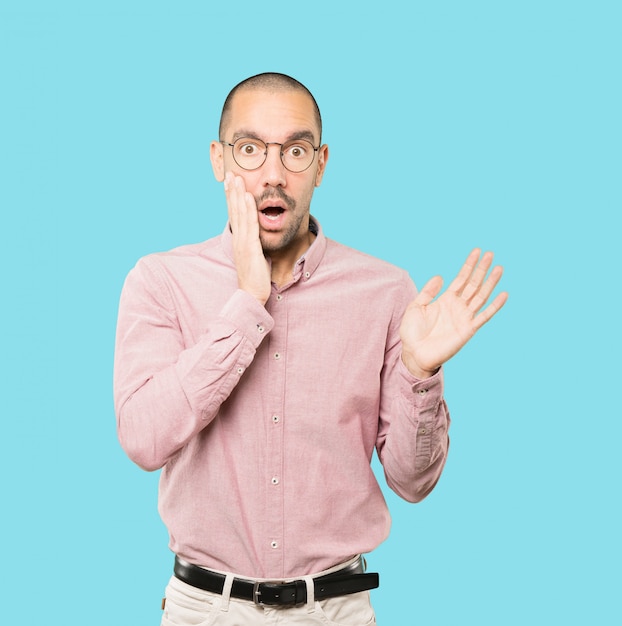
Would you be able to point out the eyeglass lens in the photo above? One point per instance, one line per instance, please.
(251, 154)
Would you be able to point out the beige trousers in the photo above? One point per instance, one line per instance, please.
(188, 606)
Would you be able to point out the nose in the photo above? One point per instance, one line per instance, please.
(273, 171)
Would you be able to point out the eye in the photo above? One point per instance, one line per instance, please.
(249, 148)
(296, 150)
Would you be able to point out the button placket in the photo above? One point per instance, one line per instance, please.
(273, 476)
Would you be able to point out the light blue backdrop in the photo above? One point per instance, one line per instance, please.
(451, 124)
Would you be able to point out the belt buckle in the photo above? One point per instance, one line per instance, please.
(257, 591)
(275, 599)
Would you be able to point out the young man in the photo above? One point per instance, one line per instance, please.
(261, 368)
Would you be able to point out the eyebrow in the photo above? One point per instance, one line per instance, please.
(299, 134)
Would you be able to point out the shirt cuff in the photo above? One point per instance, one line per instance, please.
(247, 315)
(426, 392)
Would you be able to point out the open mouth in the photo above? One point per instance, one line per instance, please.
(272, 212)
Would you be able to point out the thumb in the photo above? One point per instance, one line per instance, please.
(430, 290)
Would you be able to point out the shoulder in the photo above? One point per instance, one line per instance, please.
(356, 264)
(184, 255)
(183, 264)
(377, 287)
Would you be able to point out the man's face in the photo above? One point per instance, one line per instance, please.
(283, 198)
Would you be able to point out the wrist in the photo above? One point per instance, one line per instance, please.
(413, 367)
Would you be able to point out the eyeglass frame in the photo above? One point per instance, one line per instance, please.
(272, 143)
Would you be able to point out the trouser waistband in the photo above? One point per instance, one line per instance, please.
(344, 581)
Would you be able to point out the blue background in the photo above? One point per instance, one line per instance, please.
(451, 124)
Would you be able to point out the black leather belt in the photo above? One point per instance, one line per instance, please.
(350, 579)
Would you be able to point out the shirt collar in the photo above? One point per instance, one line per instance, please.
(306, 265)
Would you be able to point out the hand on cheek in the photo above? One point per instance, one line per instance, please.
(252, 267)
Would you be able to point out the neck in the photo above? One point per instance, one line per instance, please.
(283, 261)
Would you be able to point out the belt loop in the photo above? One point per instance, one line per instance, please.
(310, 593)
(226, 593)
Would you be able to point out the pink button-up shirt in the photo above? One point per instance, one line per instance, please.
(264, 419)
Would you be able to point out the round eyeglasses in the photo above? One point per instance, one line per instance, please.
(250, 153)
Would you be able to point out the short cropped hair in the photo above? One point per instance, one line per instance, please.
(270, 81)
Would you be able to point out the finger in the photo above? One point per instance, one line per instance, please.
(477, 277)
(231, 202)
(481, 296)
(430, 290)
(241, 207)
(490, 310)
(458, 283)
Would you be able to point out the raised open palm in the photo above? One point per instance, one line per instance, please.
(432, 331)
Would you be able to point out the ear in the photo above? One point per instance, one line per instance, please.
(216, 157)
(322, 159)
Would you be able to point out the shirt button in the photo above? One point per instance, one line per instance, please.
(275, 480)
(277, 355)
(240, 370)
(422, 392)
(275, 419)
(260, 328)
(274, 545)
(307, 274)
(279, 297)
(422, 431)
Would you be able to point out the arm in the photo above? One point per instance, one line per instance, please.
(413, 452)
(413, 440)
(414, 449)
(166, 392)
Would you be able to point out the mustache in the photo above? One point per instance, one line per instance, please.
(276, 193)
